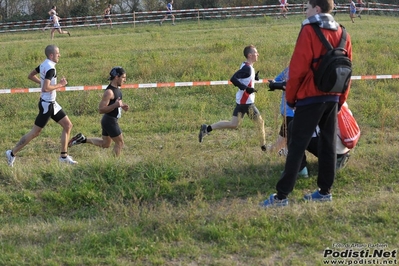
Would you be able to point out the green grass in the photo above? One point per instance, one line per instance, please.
(169, 200)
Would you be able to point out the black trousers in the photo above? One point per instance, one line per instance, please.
(305, 120)
(312, 147)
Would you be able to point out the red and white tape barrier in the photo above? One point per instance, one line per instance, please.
(171, 84)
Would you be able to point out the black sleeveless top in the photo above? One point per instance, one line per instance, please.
(117, 94)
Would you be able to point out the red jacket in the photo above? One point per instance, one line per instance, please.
(307, 52)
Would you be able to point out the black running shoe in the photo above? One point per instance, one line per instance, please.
(203, 132)
(78, 139)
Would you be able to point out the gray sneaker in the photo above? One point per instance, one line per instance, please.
(342, 160)
(10, 158)
(203, 132)
(283, 152)
(78, 139)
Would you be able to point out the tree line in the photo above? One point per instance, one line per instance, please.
(17, 10)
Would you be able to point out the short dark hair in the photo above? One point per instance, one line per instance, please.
(248, 49)
(50, 49)
(116, 72)
(325, 5)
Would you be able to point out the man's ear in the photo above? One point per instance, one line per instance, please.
(318, 10)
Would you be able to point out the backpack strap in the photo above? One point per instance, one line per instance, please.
(343, 38)
(323, 39)
(321, 36)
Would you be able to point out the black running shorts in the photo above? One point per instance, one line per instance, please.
(110, 126)
(249, 109)
(43, 118)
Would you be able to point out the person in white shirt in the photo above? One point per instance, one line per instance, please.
(284, 8)
(57, 26)
(244, 79)
(53, 11)
(48, 106)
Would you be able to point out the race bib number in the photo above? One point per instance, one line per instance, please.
(119, 112)
(57, 108)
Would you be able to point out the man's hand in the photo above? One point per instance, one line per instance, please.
(125, 107)
(119, 102)
(63, 81)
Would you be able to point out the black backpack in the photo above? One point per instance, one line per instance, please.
(335, 69)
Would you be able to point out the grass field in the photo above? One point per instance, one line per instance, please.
(169, 200)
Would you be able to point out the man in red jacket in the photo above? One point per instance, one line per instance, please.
(312, 106)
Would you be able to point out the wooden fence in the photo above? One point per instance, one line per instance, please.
(147, 17)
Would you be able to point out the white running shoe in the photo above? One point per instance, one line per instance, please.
(10, 158)
(68, 159)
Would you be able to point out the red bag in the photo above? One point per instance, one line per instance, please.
(348, 127)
